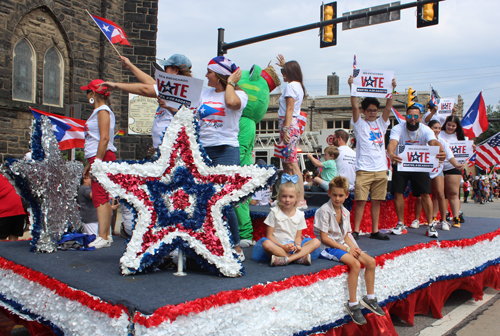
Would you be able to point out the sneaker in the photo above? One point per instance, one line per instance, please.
(399, 229)
(302, 205)
(379, 236)
(431, 232)
(246, 243)
(305, 260)
(110, 238)
(355, 235)
(445, 226)
(355, 312)
(415, 224)
(241, 256)
(279, 261)
(100, 243)
(448, 217)
(461, 217)
(456, 222)
(372, 305)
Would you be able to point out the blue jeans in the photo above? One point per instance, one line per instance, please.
(227, 156)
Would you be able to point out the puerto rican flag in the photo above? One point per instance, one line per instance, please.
(302, 121)
(69, 132)
(475, 121)
(113, 32)
(472, 160)
(398, 115)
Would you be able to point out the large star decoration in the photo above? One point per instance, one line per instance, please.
(54, 185)
(179, 201)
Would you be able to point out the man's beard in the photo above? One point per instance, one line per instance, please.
(411, 127)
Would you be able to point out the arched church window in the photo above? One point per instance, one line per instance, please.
(52, 78)
(23, 79)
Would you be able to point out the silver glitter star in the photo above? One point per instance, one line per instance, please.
(54, 182)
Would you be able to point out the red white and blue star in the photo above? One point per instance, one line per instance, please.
(179, 201)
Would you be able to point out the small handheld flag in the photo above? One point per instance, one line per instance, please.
(475, 120)
(302, 121)
(113, 32)
(119, 134)
(397, 115)
(354, 63)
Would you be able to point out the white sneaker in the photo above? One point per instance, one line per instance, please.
(431, 232)
(110, 238)
(415, 224)
(100, 243)
(241, 256)
(399, 229)
(246, 243)
(302, 205)
(445, 226)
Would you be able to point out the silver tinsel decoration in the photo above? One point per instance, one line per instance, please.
(54, 182)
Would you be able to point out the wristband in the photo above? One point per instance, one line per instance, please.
(348, 249)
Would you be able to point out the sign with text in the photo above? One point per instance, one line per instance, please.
(419, 159)
(178, 90)
(462, 150)
(141, 114)
(372, 83)
(445, 106)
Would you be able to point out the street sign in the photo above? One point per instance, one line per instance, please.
(372, 20)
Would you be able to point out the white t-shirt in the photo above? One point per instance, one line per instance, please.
(162, 120)
(421, 137)
(293, 90)
(92, 135)
(285, 228)
(439, 117)
(449, 155)
(262, 196)
(346, 164)
(447, 138)
(220, 128)
(325, 221)
(370, 144)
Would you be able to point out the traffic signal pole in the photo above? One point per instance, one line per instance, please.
(223, 47)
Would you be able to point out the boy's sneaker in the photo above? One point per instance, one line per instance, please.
(415, 224)
(445, 226)
(246, 243)
(355, 235)
(456, 222)
(461, 217)
(355, 312)
(379, 235)
(305, 260)
(100, 243)
(431, 232)
(302, 205)
(279, 261)
(399, 229)
(372, 305)
(241, 256)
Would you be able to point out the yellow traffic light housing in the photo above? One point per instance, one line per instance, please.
(427, 15)
(411, 97)
(328, 34)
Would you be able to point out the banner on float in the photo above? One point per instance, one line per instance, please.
(178, 90)
(462, 150)
(419, 159)
(372, 83)
(445, 106)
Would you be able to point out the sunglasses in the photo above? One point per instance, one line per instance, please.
(372, 111)
(409, 116)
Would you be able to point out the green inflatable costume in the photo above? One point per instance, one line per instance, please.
(257, 84)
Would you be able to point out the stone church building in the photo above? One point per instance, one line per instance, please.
(49, 48)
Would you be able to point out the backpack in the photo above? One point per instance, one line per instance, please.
(475, 184)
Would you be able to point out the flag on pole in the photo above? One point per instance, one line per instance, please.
(354, 62)
(398, 115)
(302, 121)
(69, 132)
(488, 154)
(113, 32)
(119, 134)
(475, 121)
(434, 98)
(471, 160)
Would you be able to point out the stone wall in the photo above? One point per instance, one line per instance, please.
(87, 55)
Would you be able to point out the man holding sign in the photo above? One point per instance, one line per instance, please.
(413, 134)
(371, 164)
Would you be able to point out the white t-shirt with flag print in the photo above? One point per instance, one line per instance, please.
(220, 128)
(370, 144)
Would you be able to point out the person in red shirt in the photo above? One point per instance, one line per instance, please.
(12, 213)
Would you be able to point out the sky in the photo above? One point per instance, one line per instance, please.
(459, 56)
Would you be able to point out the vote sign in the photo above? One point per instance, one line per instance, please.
(462, 150)
(178, 90)
(372, 83)
(419, 158)
(445, 106)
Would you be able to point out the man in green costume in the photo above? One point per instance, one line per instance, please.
(257, 84)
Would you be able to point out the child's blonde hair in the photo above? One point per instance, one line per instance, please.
(339, 182)
(289, 184)
(332, 151)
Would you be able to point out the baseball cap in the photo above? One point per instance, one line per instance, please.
(93, 85)
(176, 60)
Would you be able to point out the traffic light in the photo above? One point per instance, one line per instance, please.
(411, 96)
(328, 34)
(427, 15)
